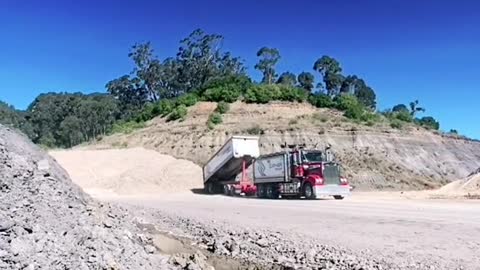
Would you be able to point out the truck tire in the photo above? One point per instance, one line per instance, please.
(338, 197)
(308, 191)
(226, 190)
(261, 191)
(271, 192)
(210, 188)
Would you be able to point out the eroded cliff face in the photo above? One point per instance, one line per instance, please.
(373, 157)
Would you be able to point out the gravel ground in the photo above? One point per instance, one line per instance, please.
(267, 249)
(367, 231)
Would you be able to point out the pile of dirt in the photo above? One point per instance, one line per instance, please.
(470, 186)
(47, 222)
(134, 171)
(374, 157)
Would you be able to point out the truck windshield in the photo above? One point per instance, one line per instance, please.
(312, 156)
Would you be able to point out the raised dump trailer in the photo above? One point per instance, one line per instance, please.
(235, 156)
(299, 172)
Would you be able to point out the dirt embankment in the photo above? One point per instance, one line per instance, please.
(468, 187)
(374, 158)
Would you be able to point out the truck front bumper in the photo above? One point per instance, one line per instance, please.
(332, 190)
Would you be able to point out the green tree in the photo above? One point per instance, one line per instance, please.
(62, 119)
(201, 59)
(9, 116)
(356, 86)
(268, 59)
(331, 71)
(400, 108)
(415, 108)
(129, 93)
(428, 122)
(287, 78)
(148, 69)
(305, 81)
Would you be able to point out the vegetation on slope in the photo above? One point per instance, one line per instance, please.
(200, 71)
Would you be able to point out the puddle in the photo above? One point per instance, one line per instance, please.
(171, 245)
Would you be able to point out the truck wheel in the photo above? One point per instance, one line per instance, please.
(210, 188)
(271, 192)
(308, 191)
(261, 192)
(226, 190)
(338, 197)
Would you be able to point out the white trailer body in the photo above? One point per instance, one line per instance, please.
(226, 164)
(272, 168)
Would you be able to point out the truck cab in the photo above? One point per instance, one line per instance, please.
(300, 172)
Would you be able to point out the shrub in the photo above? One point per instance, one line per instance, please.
(396, 124)
(188, 100)
(293, 122)
(228, 93)
(428, 122)
(404, 116)
(370, 117)
(238, 82)
(260, 94)
(289, 93)
(180, 112)
(321, 101)
(222, 107)
(215, 118)
(165, 107)
(210, 125)
(352, 108)
(256, 130)
(370, 123)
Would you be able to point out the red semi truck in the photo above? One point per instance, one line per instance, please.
(299, 172)
(296, 172)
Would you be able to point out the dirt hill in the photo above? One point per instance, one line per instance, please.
(373, 157)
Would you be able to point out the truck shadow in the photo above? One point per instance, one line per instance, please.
(201, 191)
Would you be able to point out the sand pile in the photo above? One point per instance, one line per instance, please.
(469, 185)
(131, 171)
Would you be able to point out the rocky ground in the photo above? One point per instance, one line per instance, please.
(47, 222)
(260, 248)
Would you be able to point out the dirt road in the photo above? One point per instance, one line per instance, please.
(443, 233)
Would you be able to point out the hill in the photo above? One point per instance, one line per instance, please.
(373, 157)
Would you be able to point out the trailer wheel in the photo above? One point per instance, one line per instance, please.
(338, 197)
(210, 188)
(308, 191)
(226, 190)
(271, 193)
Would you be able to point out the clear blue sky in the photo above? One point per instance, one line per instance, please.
(427, 50)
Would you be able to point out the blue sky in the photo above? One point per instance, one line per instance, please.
(426, 50)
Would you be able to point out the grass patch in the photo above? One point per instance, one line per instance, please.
(222, 107)
(127, 127)
(255, 130)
